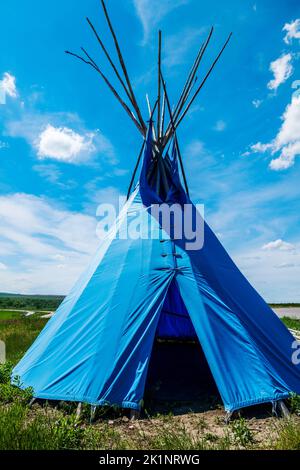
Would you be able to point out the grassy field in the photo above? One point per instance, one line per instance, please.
(10, 315)
(18, 332)
(55, 426)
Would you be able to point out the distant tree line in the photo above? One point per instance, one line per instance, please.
(30, 302)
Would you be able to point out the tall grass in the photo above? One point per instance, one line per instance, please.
(10, 315)
(18, 334)
(288, 435)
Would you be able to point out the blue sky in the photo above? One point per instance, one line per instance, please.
(66, 145)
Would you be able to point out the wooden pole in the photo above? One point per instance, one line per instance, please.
(151, 115)
(109, 59)
(159, 85)
(193, 73)
(93, 413)
(78, 410)
(163, 112)
(202, 83)
(189, 79)
(189, 84)
(123, 66)
(176, 141)
(134, 415)
(135, 169)
(169, 107)
(93, 64)
(181, 166)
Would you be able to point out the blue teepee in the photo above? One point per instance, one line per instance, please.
(97, 346)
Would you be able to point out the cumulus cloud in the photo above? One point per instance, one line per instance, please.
(151, 12)
(278, 245)
(37, 238)
(8, 85)
(282, 69)
(64, 144)
(287, 141)
(292, 31)
(61, 137)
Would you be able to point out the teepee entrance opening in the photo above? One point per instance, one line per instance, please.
(178, 373)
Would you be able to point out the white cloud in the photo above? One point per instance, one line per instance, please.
(3, 267)
(151, 12)
(61, 137)
(37, 238)
(282, 69)
(257, 103)
(220, 126)
(290, 129)
(8, 85)
(292, 31)
(260, 147)
(287, 157)
(287, 141)
(64, 144)
(278, 245)
(275, 273)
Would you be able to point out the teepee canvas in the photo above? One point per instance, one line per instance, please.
(98, 345)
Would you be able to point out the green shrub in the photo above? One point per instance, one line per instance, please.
(11, 392)
(241, 433)
(67, 432)
(294, 403)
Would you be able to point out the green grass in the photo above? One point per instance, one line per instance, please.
(10, 315)
(288, 435)
(18, 333)
(291, 323)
